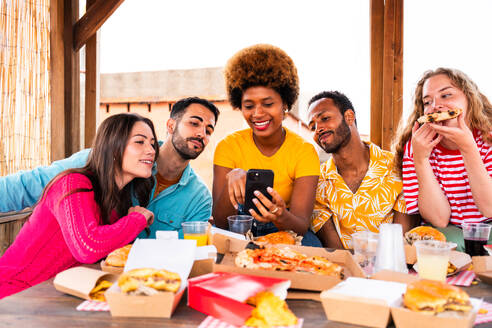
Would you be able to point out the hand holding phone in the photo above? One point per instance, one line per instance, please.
(260, 180)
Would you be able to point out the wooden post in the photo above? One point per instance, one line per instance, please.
(92, 83)
(386, 69)
(377, 31)
(65, 80)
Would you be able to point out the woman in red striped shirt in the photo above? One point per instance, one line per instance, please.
(447, 166)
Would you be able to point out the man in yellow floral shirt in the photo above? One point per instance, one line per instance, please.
(357, 189)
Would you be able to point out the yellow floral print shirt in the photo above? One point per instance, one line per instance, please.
(378, 195)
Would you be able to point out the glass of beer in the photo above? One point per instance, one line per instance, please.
(196, 230)
(433, 258)
(476, 236)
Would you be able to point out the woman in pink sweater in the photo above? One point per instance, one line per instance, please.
(79, 219)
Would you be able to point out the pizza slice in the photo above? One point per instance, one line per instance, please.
(286, 259)
(440, 115)
(320, 265)
(268, 258)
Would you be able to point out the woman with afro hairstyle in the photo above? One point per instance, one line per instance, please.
(262, 82)
(447, 166)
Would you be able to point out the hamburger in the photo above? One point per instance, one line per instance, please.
(118, 257)
(430, 296)
(149, 281)
(424, 233)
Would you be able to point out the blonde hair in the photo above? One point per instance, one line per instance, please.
(478, 114)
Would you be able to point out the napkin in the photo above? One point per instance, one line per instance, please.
(487, 317)
(93, 306)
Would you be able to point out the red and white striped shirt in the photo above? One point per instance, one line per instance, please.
(449, 169)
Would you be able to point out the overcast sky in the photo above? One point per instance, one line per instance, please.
(327, 39)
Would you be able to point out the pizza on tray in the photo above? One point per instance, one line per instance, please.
(440, 115)
(286, 259)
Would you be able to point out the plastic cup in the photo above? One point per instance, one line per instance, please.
(390, 254)
(196, 230)
(240, 223)
(365, 244)
(433, 258)
(476, 236)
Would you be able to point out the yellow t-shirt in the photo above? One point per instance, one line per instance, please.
(295, 158)
(378, 195)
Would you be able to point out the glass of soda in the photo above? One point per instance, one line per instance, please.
(476, 236)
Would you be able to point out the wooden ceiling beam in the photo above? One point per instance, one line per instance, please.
(92, 20)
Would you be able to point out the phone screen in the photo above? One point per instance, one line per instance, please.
(260, 180)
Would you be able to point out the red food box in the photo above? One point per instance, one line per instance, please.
(223, 295)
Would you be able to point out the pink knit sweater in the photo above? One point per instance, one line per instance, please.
(62, 233)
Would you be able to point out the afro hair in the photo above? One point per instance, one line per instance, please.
(261, 65)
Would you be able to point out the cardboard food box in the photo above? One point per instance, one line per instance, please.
(79, 281)
(172, 255)
(204, 259)
(223, 295)
(371, 311)
(405, 318)
(299, 280)
(161, 305)
(482, 266)
(362, 301)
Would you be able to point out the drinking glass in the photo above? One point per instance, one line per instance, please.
(196, 230)
(476, 235)
(240, 223)
(433, 258)
(365, 244)
(390, 254)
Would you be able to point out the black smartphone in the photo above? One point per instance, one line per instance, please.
(260, 180)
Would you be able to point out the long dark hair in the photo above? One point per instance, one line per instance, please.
(105, 161)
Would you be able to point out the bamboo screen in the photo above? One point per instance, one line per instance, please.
(24, 84)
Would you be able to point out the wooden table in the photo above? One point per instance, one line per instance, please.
(43, 306)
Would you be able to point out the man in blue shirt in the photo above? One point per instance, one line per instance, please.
(179, 194)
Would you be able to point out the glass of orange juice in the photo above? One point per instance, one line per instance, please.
(196, 230)
(433, 258)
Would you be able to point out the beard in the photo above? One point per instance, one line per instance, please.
(341, 137)
(181, 146)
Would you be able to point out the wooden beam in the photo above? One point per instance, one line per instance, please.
(92, 20)
(398, 66)
(388, 72)
(377, 32)
(57, 79)
(65, 80)
(72, 79)
(92, 83)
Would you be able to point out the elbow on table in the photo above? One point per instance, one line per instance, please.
(87, 256)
